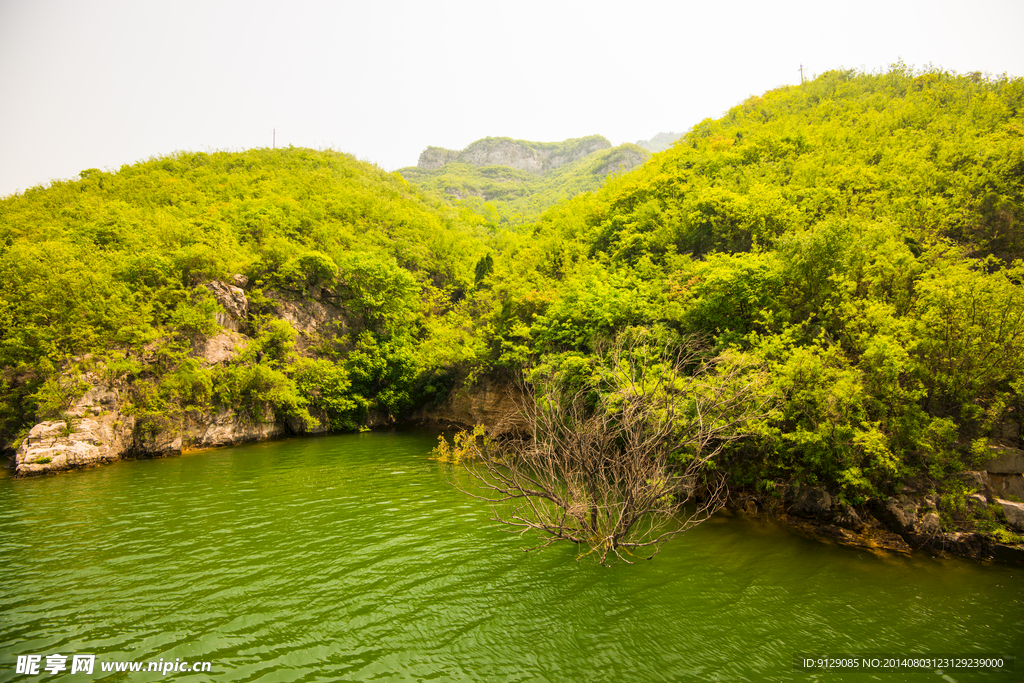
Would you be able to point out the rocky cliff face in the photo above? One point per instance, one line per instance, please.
(93, 432)
(487, 402)
(97, 430)
(624, 160)
(433, 158)
(531, 157)
(100, 427)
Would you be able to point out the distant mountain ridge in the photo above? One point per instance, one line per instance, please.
(532, 157)
(516, 180)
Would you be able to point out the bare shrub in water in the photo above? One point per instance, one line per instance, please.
(617, 453)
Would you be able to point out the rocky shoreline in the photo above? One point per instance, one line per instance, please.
(96, 433)
(97, 430)
(907, 523)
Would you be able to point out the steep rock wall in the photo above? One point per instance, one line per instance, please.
(489, 402)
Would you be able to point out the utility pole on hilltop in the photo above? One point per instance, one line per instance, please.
(801, 74)
(275, 130)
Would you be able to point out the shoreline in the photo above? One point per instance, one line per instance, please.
(863, 530)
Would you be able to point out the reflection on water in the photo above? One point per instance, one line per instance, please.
(350, 558)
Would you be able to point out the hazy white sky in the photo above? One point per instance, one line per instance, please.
(103, 83)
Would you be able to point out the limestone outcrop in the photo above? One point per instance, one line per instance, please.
(93, 432)
(232, 299)
(1001, 481)
(487, 402)
(99, 428)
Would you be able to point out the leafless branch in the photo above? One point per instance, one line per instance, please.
(623, 459)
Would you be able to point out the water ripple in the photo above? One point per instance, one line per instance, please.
(350, 558)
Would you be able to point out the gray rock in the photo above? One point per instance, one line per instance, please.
(929, 525)
(814, 503)
(1006, 485)
(976, 501)
(227, 428)
(1007, 431)
(975, 480)
(487, 401)
(433, 158)
(223, 347)
(232, 300)
(96, 432)
(898, 513)
(1014, 513)
(1006, 461)
(970, 544)
(240, 281)
(92, 434)
(846, 516)
(526, 156)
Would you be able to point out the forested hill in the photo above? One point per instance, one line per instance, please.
(858, 238)
(108, 272)
(858, 235)
(513, 181)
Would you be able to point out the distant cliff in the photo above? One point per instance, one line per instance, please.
(531, 157)
(518, 179)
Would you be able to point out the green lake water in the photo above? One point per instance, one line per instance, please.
(350, 558)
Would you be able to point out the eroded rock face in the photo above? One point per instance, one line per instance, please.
(232, 300)
(623, 162)
(223, 348)
(1005, 461)
(311, 319)
(93, 432)
(433, 158)
(929, 525)
(227, 428)
(898, 514)
(1001, 475)
(487, 402)
(534, 158)
(1014, 512)
(846, 517)
(813, 503)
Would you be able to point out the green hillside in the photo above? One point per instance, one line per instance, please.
(857, 238)
(109, 269)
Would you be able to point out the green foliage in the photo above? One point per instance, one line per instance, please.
(196, 315)
(57, 394)
(859, 236)
(381, 290)
(113, 263)
(307, 269)
(325, 387)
